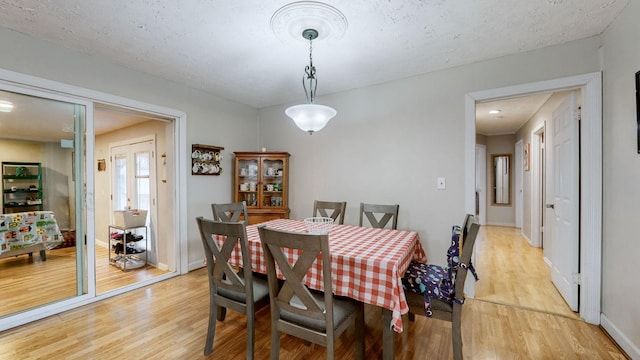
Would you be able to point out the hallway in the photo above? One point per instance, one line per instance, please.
(512, 272)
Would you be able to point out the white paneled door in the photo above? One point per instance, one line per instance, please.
(562, 212)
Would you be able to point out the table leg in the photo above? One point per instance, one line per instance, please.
(387, 335)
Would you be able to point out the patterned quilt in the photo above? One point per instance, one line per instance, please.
(21, 230)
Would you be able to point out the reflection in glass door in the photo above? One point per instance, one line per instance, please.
(51, 131)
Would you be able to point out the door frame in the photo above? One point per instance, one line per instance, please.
(590, 179)
(519, 174)
(481, 185)
(536, 188)
(176, 178)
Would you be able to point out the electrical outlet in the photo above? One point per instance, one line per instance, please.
(442, 183)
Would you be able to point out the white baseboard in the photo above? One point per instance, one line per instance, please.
(197, 265)
(526, 237)
(625, 343)
(546, 261)
(501, 224)
(101, 243)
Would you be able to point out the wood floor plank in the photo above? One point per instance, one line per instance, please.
(513, 272)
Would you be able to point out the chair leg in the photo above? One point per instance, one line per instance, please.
(250, 335)
(360, 332)
(221, 313)
(211, 331)
(456, 331)
(275, 343)
(412, 316)
(331, 349)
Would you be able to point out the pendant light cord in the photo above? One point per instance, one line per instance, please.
(310, 75)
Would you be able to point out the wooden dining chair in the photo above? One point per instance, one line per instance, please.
(321, 208)
(379, 215)
(228, 288)
(295, 309)
(444, 309)
(231, 212)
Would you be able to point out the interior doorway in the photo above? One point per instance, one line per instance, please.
(590, 180)
(134, 177)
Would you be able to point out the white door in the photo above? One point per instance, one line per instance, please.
(562, 189)
(133, 183)
(518, 178)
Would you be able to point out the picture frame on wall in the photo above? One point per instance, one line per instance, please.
(526, 156)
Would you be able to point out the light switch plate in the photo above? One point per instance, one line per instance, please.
(442, 183)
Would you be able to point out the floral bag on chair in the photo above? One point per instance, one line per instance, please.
(434, 281)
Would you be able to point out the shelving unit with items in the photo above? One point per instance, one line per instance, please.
(125, 238)
(22, 187)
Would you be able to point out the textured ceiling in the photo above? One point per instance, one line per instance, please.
(227, 48)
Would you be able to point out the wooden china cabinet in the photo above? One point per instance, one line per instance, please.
(262, 180)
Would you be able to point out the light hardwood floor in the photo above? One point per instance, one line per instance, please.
(27, 281)
(168, 320)
(512, 272)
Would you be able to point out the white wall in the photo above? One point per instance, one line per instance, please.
(390, 142)
(621, 166)
(210, 119)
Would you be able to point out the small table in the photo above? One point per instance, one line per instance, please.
(367, 265)
(28, 232)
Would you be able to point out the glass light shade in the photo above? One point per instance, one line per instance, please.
(310, 117)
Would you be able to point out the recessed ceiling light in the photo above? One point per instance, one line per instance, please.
(495, 111)
(6, 106)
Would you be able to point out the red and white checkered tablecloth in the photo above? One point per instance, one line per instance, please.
(367, 263)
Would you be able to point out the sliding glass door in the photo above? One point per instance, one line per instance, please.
(50, 131)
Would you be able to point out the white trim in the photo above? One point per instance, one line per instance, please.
(591, 173)
(519, 174)
(481, 185)
(536, 186)
(180, 149)
(624, 342)
(501, 224)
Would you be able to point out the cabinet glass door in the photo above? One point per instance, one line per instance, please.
(248, 180)
(272, 185)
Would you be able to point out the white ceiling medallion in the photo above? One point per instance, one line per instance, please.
(288, 22)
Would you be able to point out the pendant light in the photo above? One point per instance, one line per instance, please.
(310, 117)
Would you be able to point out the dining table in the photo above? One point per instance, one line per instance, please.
(367, 264)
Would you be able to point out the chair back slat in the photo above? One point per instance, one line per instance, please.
(379, 215)
(467, 240)
(293, 295)
(338, 209)
(230, 212)
(221, 272)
